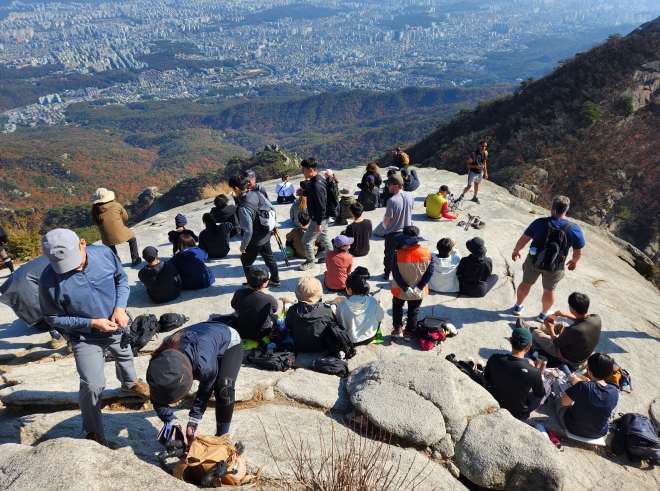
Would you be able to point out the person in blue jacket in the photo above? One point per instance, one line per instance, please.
(209, 352)
(190, 263)
(410, 179)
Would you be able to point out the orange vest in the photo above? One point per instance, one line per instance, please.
(412, 261)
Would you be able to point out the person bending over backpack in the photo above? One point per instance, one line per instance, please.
(360, 313)
(445, 263)
(474, 272)
(360, 230)
(256, 311)
(294, 237)
(161, 278)
(345, 202)
(339, 264)
(173, 236)
(209, 352)
(515, 383)
(225, 212)
(309, 317)
(214, 239)
(189, 261)
(585, 407)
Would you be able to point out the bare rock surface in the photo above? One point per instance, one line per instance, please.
(316, 389)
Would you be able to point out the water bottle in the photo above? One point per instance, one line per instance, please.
(532, 251)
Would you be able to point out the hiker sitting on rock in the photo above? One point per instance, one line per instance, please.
(181, 223)
(369, 196)
(295, 236)
(339, 264)
(345, 202)
(300, 204)
(360, 230)
(189, 261)
(256, 311)
(445, 263)
(214, 239)
(309, 317)
(372, 171)
(515, 383)
(109, 216)
(474, 272)
(285, 190)
(410, 179)
(585, 407)
(84, 291)
(571, 344)
(224, 211)
(436, 205)
(360, 314)
(161, 278)
(4, 240)
(209, 352)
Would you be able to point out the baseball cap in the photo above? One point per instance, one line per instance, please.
(169, 377)
(444, 187)
(327, 172)
(342, 240)
(149, 253)
(395, 179)
(249, 174)
(521, 335)
(62, 248)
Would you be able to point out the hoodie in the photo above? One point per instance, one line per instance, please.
(360, 315)
(472, 273)
(307, 323)
(444, 278)
(194, 273)
(162, 281)
(227, 215)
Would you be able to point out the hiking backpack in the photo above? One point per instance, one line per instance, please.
(635, 436)
(553, 248)
(275, 359)
(331, 366)
(621, 378)
(143, 328)
(431, 331)
(338, 342)
(468, 370)
(265, 219)
(169, 322)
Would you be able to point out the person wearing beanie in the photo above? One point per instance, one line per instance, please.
(309, 317)
(161, 278)
(412, 269)
(109, 216)
(474, 272)
(398, 214)
(209, 352)
(345, 202)
(4, 240)
(339, 264)
(181, 223)
(436, 205)
(515, 382)
(251, 181)
(84, 291)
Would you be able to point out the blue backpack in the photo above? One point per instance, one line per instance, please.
(635, 435)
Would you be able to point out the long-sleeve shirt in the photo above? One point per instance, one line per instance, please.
(317, 200)
(246, 217)
(71, 300)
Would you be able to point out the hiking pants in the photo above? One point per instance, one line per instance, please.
(543, 340)
(390, 248)
(413, 312)
(266, 252)
(90, 364)
(132, 244)
(310, 237)
(225, 384)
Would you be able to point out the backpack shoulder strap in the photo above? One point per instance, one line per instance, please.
(567, 226)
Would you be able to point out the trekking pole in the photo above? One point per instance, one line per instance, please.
(467, 224)
(276, 233)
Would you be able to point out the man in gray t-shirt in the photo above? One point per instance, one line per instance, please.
(398, 214)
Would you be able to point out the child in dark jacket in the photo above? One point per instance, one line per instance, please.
(214, 239)
(225, 212)
(173, 236)
(190, 263)
(474, 272)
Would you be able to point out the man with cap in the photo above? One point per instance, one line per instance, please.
(410, 179)
(309, 317)
(209, 352)
(345, 202)
(436, 204)
(515, 382)
(474, 272)
(339, 264)
(252, 184)
(181, 223)
(398, 214)
(161, 278)
(412, 269)
(84, 291)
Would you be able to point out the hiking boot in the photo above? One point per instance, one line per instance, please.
(517, 310)
(476, 200)
(100, 439)
(542, 317)
(521, 323)
(139, 387)
(57, 343)
(407, 335)
(274, 284)
(307, 265)
(397, 332)
(459, 198)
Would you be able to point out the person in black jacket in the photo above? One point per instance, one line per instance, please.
(161, 278)
(4, 240)
(317, 201)
(309, 318)
(474, 272)
(224, 212)
(181, 223)
(332, 186)
(372, 170)
(214, 239)
(410, 179)
(209, 352)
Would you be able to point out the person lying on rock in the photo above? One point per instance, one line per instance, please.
(309, 317)
(209, 352)
(515, 382)
(445, 263)
(410, 179)
(256, 310)
(181, 223)
(189, 261)
(474, 272)
(84, 291)
(360, 313)
(161, 278)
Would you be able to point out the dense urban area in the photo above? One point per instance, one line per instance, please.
(229, 48)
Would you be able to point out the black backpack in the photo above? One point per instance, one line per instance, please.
(635, 436)
(275, 359)
(553, 248)
(332, 200)
(338, 341)
(143, 328)
(331, 366)
(169, 322)
(465, 367)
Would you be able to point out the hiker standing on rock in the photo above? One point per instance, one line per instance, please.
(209, 352)
(109, 216)
(84, 291)
(398, 214)
(477, 170)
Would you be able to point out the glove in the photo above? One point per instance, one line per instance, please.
(415, 291)
(125, 341)
(192, 432)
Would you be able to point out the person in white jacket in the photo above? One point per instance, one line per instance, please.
(445, 263)
(360, 314)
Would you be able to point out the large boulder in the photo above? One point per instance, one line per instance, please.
(316, 389)
(523, 193)
(499, 452)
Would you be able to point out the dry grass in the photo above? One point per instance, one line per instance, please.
(211, 191)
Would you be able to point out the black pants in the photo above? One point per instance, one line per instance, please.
(413, 312)
(281, 200)
(132, 244)
(390, 248)
(225, 388)
(266, 252)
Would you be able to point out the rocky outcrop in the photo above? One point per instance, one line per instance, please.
(316, 389)
(521, 192)
(646, 83)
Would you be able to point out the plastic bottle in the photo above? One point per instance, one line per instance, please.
(532, 251)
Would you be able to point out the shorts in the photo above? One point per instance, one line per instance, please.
(549, 279)
(475, 177)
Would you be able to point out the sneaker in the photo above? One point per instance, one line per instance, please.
(459, 198)
(517, 310)
(139, 387)
(476, 200)
(407, 335)
(542, 317)
(321, 260)
(307, 265)
(100, 439)
(521, 323)
(397, 332)
(57, 343)
(274, 284)
(136, 261)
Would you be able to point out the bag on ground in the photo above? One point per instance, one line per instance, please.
(468, 370)
(143, 328)
(620, 377)
(338, 343)
(169, 322)
(275, 359)
(553, 248)
(331, 366)
(635, 435)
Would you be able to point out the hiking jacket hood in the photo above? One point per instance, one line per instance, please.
(194, 273)
(21, 290)
(360, 315)
(307, 323)
(110, 221)
(162, 281)
(71, 300)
